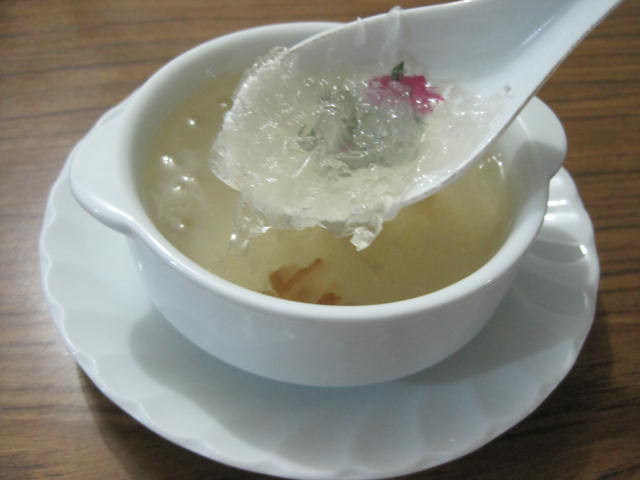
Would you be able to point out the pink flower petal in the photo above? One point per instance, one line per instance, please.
(421, 96)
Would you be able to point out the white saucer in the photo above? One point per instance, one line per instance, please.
(136, 358)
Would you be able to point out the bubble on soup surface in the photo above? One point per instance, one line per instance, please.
(167, 160)
(180, 225)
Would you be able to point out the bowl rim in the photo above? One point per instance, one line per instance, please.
(523, 230)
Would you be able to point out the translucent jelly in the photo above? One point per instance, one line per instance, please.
(340, 151)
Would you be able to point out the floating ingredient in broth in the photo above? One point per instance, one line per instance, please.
(303, 284)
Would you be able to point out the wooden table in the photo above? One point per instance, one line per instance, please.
(63, 63)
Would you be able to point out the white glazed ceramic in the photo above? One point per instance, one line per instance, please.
(141, 363)
(280, 339)
(507, 48)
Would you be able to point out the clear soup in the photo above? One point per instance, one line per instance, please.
(428, 246)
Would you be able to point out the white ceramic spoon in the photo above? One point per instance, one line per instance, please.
(484, 46)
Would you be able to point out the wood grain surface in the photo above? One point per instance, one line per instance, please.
(63, 63)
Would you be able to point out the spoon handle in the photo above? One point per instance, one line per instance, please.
(479, 44)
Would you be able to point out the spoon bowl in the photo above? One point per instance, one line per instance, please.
(501, 48)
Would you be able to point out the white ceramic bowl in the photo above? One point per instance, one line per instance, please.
(284, 340)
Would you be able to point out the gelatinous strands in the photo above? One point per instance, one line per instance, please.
(323, 152)
(339, 151)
